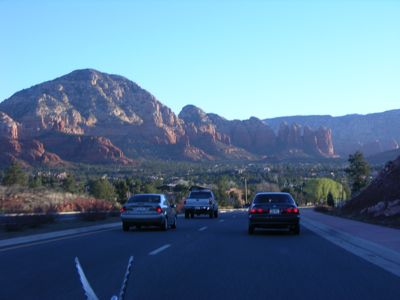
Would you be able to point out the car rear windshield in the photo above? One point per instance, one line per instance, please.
(200, 195)
(273, 198)
(144, 198)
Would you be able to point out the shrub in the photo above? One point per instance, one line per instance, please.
(86, 205)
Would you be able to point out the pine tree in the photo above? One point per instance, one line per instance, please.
(329, 200)
(14, 175)
(358, 171)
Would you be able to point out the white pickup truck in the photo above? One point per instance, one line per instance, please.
(199, 202)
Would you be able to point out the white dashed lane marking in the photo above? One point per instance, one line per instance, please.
(155, 252)
(203, 228)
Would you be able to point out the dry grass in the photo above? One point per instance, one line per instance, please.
(24, 200)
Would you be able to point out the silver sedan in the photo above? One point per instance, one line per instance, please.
(148, 210)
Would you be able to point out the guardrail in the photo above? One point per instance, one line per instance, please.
(16, 221)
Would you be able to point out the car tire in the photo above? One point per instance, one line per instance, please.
(216, 214)
(173, 226)
(164, 226)
(186, 215)
(192, 215)
(211, 214)
(251, 229)
(138, 227)
(125, 226)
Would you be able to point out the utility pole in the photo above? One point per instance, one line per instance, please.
(245, 189)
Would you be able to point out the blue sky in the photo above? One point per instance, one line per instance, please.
(234, 58)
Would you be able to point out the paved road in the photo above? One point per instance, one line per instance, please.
(202, 259)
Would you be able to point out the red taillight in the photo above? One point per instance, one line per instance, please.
(123, 209)
(291, 210)
(259, 211)
(159, 210)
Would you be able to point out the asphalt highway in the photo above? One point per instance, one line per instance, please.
(202, 259)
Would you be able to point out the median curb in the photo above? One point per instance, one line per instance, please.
(381, 256)
(56, 234)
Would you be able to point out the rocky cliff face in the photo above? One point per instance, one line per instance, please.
(371, 134)
(254, 136)
(88, 102)
(92, 117)
(12, 148)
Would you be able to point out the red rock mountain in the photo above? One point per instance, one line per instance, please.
(92, 117)
(254, 136)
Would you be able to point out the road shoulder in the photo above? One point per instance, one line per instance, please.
(376, 253)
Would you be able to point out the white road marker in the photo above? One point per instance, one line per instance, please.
(221, 221)
(155, 252)
(203, 228)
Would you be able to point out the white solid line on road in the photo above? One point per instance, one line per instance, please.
(155, 252)
(203, 228)
(55, 235)
(52, 240)
(383, 257)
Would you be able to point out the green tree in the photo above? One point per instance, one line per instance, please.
(15, 175)
(149, 188)
(358, 171)
(329, 200)
(121, 189)
(234, 200)
(102, 189)
(69, 184)
(221, 192)
(35, 182)
(317, 190)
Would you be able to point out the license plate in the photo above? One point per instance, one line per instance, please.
(274, 211)
(140, 209)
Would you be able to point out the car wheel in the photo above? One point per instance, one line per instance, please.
(211, 214)
(186, 215)
(138, 227)
(125, 226)
(251, 229)
(192, 215)
(216, 214)
(164, 226)
(173, 226)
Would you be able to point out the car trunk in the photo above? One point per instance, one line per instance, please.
(142, 208)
